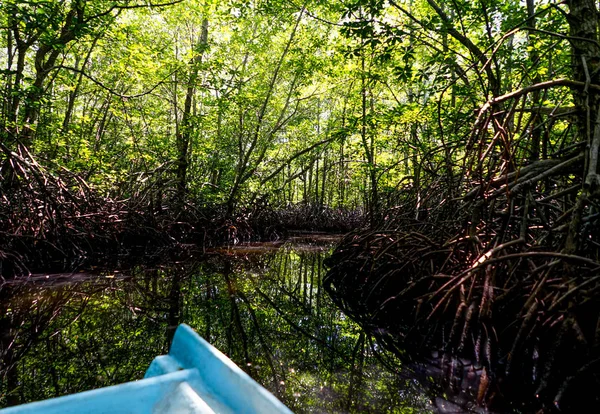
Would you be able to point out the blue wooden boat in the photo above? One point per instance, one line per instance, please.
(194, 377)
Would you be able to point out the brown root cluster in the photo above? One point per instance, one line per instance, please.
(54, 221)
(272, 222)
(527, 317)
(495, 269)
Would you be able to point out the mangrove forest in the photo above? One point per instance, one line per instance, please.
(370, 206)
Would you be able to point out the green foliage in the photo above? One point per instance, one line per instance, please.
(276, 110)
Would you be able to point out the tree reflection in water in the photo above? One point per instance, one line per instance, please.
(262, 305)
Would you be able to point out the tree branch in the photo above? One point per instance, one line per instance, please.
(293, 157)
(130, 6)
(112, 91)
(536, 87)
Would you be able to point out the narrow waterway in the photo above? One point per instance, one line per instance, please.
(260, 304)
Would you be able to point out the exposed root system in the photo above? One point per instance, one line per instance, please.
(53, 221)
(527, 320)
(496, 270)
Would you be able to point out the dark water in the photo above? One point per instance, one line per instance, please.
(262, 305)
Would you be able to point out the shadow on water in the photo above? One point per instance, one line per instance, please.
(261, 304)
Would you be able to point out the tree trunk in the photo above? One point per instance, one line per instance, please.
(185, 131)
(75, 92)
(245, 165)
(585, 59)
(536, 131)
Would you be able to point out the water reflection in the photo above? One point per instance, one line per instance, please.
(262, 305)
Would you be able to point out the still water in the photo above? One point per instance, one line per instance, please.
(260, 304)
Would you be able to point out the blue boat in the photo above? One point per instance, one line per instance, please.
(194, 377)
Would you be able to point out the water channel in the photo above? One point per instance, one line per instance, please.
(261, 304)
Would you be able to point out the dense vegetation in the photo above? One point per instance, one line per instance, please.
(185, 105)
(468, 133)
